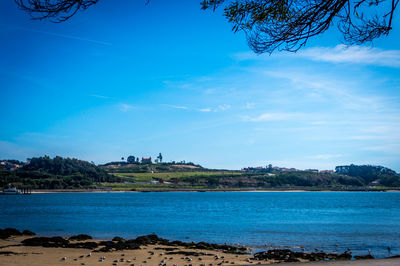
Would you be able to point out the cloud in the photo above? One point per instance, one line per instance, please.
(353, 54)
(324, 156)
(249, 105)
(177, 107)
(204, 110)
(393, 148)
(271, 117)
(59, 35)
(125, 107)
(101, 96)
(223, 107)
(338, 54)
(324, 88)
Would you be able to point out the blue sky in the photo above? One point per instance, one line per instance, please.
(130, 79)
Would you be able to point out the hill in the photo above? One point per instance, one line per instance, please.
(55, 173)
(124, 167)
(66, 173)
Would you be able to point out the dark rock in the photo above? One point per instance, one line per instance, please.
(80, 237)
(117, 238)
(364, 257)
(344, 256)
(57, 242)
(28, 233)
(7, 253)
(286, 255)
(8, 232)
(86, 245)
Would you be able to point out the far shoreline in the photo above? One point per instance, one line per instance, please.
(46, 191)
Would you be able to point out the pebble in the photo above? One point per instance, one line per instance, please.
(64, 258)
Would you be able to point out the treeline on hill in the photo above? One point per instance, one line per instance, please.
(281, 179)
(371, 173)
(293, 179)
(57, 173)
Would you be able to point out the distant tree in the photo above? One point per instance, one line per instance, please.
(159, 157)
(130, 159)
(268, 24)
(137, 159)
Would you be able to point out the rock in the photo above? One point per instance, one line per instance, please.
(286, 255)
(28, 233)
(56, 242)
(118, 239)
(80, 237)
(85, 245)
(8, 232)
(364, 257)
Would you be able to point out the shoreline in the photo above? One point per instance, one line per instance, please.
(43, 191)
(25, 248)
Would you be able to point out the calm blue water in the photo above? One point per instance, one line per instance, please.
(331, 221)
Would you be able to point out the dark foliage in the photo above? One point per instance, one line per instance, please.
(57, 173)
(268, 24)
(369, 173)
(56, 10)
(288, 24)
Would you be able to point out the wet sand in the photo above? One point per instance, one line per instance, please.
(13, 253)
(146, 255)
(376, 262)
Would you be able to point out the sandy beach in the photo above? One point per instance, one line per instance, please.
(14, 253)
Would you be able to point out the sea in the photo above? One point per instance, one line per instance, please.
(362, 222)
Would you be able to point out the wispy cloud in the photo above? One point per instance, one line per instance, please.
(177, 106)
(59, 35)
(392, 148)
(249, 105)
(338, 54)
(100, 96)
(271, 117)
(223, 107)
(325, 88)
(124, 107)
(353, 54)
(324, 156)
(204, 110)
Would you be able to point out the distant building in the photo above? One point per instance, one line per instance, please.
(146, 160)
(312, 170)
(326, 171)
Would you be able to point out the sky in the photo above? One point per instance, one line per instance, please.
(124, 78)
